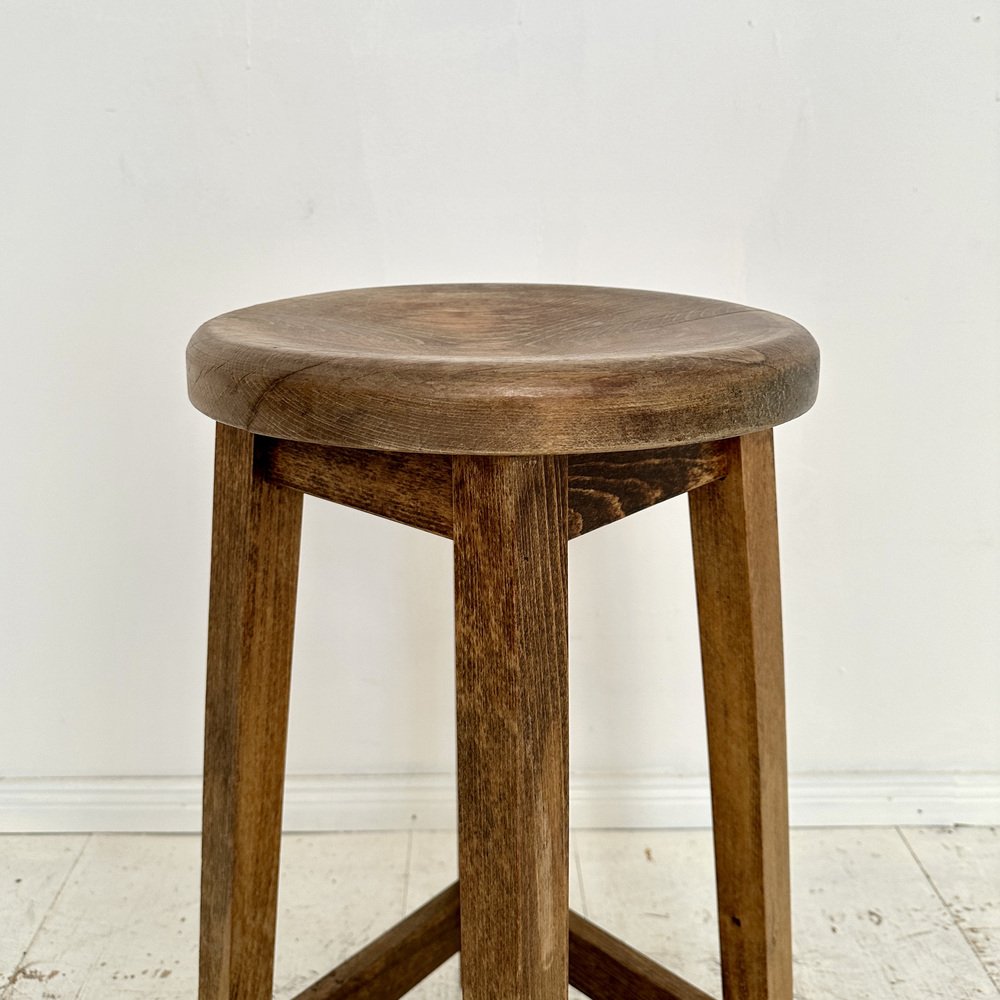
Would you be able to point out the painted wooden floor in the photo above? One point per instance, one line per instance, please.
(879, 913)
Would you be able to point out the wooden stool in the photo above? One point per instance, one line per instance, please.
(509, 418)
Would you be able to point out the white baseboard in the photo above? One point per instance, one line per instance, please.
(427, 801)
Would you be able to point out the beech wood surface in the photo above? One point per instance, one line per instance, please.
(609, 487)
(417, 489)
(413, 489)
(395, 962)
(501, 369)
(735, 535)
(606, 968)
(255, 548)
(512, 725)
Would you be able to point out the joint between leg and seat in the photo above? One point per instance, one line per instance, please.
(416, 489)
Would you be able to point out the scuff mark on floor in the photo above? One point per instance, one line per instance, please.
(26, 972)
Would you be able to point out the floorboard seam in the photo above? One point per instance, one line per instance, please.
(950, 910)
(406, 872)
(579, 880)
(23, 965)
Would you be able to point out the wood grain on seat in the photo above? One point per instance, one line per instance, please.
(502, 369)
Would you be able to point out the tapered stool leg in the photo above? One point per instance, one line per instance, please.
(734, 529)
(510, 532)
(255, 547)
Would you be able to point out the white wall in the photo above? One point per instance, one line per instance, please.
(166, 162)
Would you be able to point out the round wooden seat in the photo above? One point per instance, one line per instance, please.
(501, 369)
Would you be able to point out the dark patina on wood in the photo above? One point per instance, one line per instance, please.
(502, 369)
(417, 489)
(606, 488)
(412, 489)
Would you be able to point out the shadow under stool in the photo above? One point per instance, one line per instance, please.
(509, 418)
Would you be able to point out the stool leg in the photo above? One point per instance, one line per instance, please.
(255, 548)
(510, 531)
(734, 529)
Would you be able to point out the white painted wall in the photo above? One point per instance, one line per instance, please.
(162, 163)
